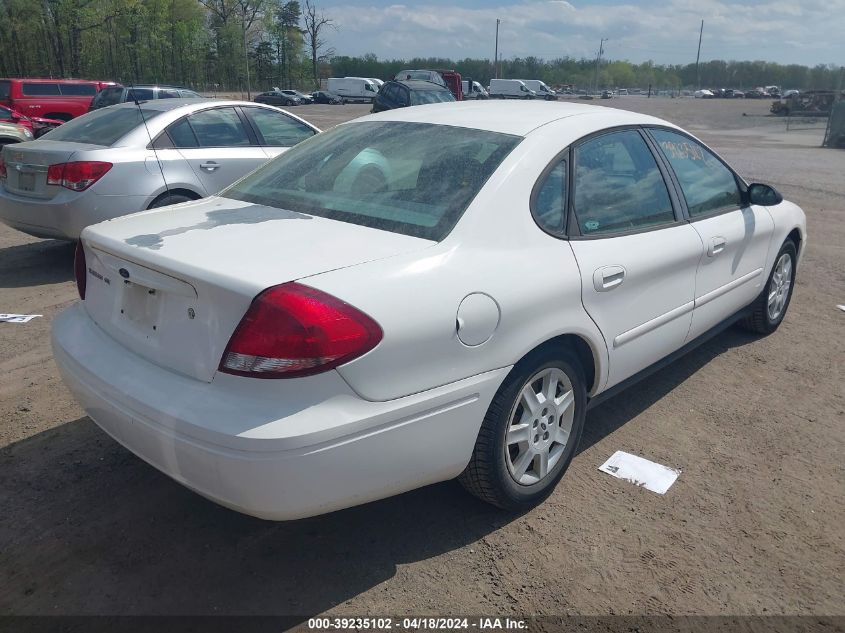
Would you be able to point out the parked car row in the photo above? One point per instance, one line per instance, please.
(254, 345)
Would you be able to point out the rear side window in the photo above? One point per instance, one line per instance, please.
(550, 204)
(220, 127)
(5, 89)
(190, 94)
(278, 129)
(78, 90)
(168, 94)
(411, 178)
(707, 184)
(182, 135)
(101, 127)
(618, 185)
(40, 90)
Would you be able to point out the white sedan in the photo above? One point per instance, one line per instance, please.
(418, 295)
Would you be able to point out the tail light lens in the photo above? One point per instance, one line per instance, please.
(294, 330)
(80, 269)
(2, 167)
(78, 175)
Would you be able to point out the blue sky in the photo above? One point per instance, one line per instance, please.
(787, 31)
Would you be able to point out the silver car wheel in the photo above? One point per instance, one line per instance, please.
(779, 287)
(540, 426)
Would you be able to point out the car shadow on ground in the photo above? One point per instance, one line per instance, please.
(36, 264)
(87, 527)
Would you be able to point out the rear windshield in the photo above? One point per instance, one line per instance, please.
(109, 96)
(411, 178)
(420, 97)
(101, 127)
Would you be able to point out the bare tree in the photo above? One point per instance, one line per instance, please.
(315, 24)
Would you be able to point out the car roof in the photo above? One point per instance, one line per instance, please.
(165, 86)
(420, 84)
(511, 116)
(165, 105)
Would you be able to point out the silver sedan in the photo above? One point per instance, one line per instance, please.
(132, 157)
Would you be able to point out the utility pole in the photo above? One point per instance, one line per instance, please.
(246, 63)
(698, 57)
(496, 54)
(598, 61)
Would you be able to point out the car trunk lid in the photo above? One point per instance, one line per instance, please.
(172, 284)
(27, 165)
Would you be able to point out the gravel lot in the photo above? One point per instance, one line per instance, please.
(754, 525)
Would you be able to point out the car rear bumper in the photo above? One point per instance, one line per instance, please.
(275, 449)
(64, 216)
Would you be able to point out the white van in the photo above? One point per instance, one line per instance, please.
(510, 89)
(378, 82)
(477, 92)
(542, 90)
(352, 89)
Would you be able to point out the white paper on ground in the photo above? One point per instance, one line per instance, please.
(18, 318)
(640, 472)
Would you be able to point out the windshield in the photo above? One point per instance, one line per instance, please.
(101, 127)
(411, 178)
(419, 97)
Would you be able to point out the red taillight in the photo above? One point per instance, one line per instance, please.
(80, 270)
(295, 330)
(77, 176)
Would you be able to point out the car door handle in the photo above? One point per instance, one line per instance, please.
(608, 278)
(717, 245)
(209, 166)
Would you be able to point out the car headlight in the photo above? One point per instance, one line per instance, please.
(27, 132)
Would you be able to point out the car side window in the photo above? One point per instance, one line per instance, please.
(219, 127)
(181, 134)
(550, 203)
(78, 90)
(40, 90)
(278, 129)
(168, 94)
(404, 97)
(708, 185)
(618, 185)
(139, 94)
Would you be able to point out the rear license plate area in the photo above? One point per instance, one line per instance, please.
(140, 306)
(26, 181)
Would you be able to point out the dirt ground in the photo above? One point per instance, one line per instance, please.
(754, 524)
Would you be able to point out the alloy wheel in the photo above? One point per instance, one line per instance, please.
(540, 426)
(779, 287)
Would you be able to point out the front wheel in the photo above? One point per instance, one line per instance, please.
(530, 433)
(769, 309)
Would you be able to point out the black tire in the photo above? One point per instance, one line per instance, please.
(487, 476)
(169, 198)
(760, 320)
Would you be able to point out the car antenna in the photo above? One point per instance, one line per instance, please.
(150, 136)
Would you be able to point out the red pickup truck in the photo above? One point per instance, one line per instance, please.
(61, 99)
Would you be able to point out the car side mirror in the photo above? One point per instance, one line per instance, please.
(763, 195)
